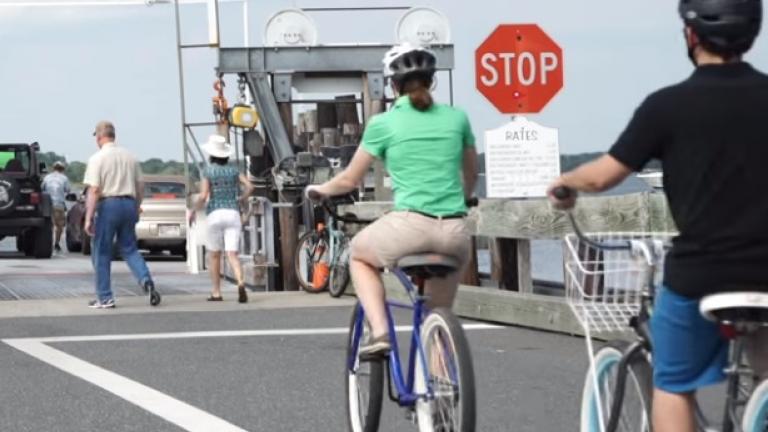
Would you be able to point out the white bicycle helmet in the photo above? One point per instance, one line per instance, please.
(406, 59)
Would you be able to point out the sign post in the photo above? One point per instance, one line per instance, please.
(519, 69)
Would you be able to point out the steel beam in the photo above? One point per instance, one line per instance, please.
(323, 58)
(279, 142)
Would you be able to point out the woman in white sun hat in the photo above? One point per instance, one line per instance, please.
(220, 194)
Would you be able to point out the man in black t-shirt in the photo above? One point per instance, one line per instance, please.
(711, 134)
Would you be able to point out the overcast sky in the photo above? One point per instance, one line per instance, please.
(63, 69)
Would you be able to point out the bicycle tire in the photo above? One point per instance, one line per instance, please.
(755, 418)
(338, 280)
(359, 421)
(431, 415)
(640, 378)
(305, 282)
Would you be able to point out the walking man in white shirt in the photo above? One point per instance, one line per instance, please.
(115, 192)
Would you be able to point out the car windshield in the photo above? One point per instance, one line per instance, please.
(167, 190)
(14, 159)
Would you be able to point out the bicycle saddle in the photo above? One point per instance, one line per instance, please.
(428, 265)
(736, 308)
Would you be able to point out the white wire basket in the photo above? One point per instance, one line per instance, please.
(605, 287)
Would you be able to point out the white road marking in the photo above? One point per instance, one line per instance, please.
(162, 405)
(13, 293)
(228, 333)
(172, 410)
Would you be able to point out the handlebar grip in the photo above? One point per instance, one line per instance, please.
(563, 192)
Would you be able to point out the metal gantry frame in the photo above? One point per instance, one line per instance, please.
(269, 73)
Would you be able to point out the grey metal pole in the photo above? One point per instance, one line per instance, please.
(183, 107)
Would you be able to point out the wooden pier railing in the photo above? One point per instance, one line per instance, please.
(509, 226)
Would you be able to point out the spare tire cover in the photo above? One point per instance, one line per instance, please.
(9, 194)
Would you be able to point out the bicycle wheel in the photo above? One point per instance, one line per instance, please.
(755, 417)
(449, 374)
(635, 413)
(339, 278)
(309, 252)
(365, 382)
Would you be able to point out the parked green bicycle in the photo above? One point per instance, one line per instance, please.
(322, 254)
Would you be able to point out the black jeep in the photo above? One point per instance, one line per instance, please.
(25, 211)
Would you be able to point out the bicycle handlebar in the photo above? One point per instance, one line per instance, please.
(564, 193)
(330, 206)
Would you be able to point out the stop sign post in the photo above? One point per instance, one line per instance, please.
(518, 68)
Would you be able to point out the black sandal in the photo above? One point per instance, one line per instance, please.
(242, 295)
(212, 298)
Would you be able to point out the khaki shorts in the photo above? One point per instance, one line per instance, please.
(402, 233)
(59, 217)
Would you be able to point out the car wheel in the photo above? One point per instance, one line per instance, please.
(43, 240)
(72, 244)
(28, 243)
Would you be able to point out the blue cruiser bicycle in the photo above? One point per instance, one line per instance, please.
(438, 386)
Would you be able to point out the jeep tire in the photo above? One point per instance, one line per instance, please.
(43, 240)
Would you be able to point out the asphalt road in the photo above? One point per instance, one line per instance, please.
(284, 373)
(527, 381)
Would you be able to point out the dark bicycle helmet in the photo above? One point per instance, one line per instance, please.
(724, 26)
(407, 60)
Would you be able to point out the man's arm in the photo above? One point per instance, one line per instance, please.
(599, 175)
(94, 193)
(139, 184)
(596, 176)
(139, 192)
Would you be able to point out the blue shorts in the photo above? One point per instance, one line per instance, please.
(688, 350)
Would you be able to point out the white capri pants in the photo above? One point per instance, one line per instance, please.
(224, 227)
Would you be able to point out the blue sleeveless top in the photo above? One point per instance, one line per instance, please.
(225, 187)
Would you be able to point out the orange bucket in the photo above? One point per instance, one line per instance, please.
(320, 273)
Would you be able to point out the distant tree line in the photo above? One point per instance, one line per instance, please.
(76, 169)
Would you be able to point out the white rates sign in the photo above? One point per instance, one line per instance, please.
(522, 158)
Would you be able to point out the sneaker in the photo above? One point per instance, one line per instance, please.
(97, 304)
(57, 248)
(148, 286)
(376, 348)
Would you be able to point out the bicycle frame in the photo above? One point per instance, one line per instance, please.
(335, 238)
(404, 384)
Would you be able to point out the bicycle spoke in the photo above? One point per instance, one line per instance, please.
(443, 377)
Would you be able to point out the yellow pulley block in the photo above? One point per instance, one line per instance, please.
(243, 116)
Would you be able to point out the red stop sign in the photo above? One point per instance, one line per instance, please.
(519, 68)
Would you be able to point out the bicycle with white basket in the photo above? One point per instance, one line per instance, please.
(610, 280)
